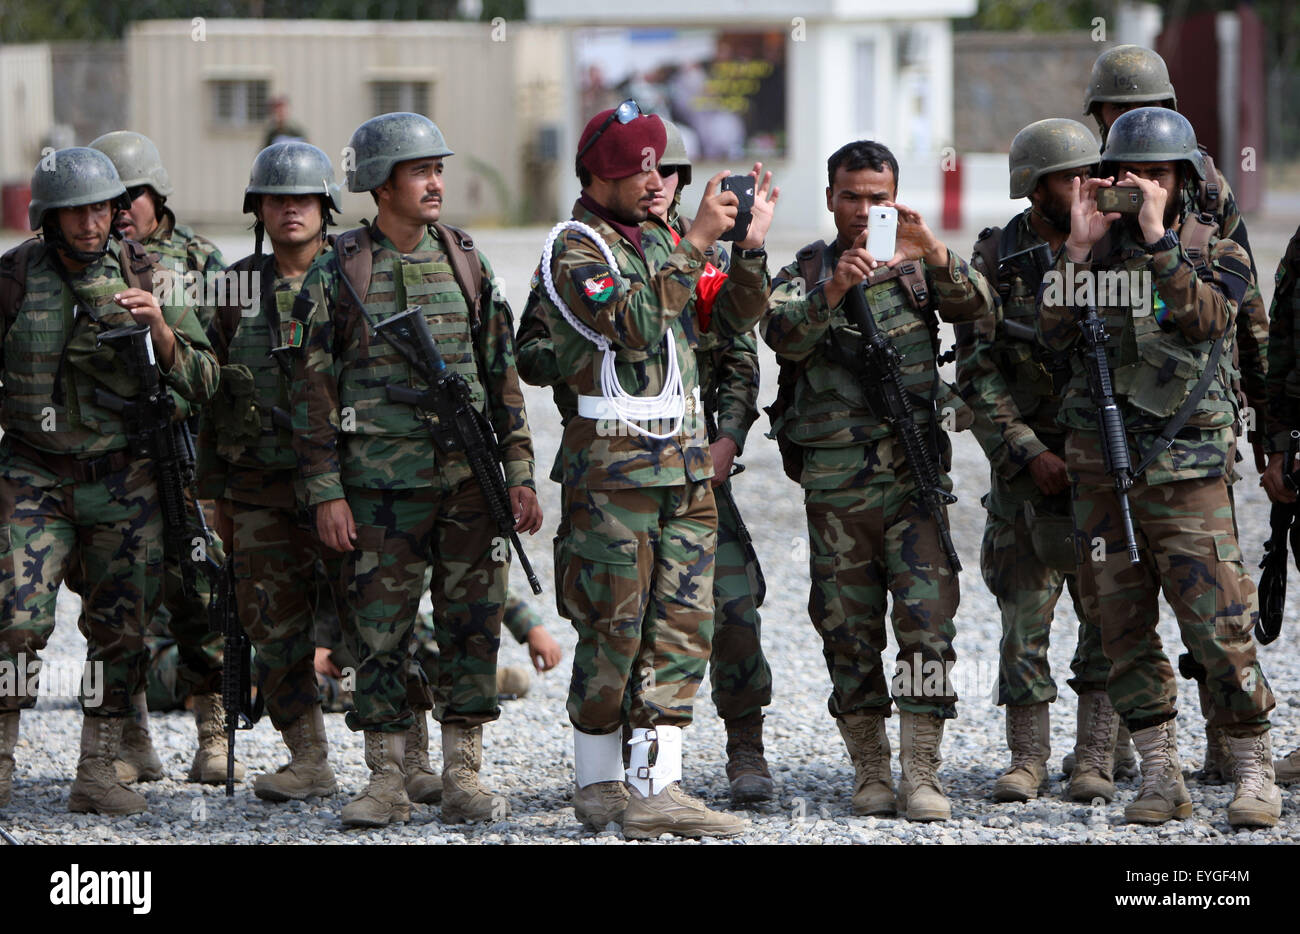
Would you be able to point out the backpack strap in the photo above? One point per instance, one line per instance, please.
(1208, 194)
(13, 275)
(1195, 235)
(812, 261)
(137, 269)
(353, 250)
(466, 267)
(988, 249)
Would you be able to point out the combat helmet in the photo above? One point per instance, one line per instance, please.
(1153, 134)
(72, 177)
(292, 167)
(382, 142)
(1129, 74)
(136, 159)
(1049, 146)
(675, 153)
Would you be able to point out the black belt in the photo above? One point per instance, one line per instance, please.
(80, 469)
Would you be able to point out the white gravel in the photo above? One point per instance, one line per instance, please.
(528, 752)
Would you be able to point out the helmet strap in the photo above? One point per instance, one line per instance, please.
(55, 238)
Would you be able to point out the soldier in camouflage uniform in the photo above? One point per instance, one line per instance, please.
(634, 560)
(1130, 76)
(1014, 386)
(71, 489)
(247, 463)
(868, 534)
(1167, 352)
(382, 493)
(1284, 409)
(190, 264)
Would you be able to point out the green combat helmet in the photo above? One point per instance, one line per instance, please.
(1153, 134)
(70, 178)
(382, 142)
(1129, 74)
(292, 167)
(1049, 146)
(136, 159)
(675, 153)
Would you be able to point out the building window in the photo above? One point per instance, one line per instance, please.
(399, 96)
(239, 104)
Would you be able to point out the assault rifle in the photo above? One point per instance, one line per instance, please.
(1282, 524)
(881, 376)
(152, 432)
(453, 421)
(723, 490)
(1110, 422)
(1030, 264)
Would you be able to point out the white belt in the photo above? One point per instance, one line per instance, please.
(674, 407)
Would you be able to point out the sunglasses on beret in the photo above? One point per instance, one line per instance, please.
(625, 113)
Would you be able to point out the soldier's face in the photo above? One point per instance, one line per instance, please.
(629, 199)
(664, 197)
(1111, 111)
(413, 191)
(1054, 193)
(142, 219)
(86, 226)
(291, 220)
(851, 197)
(1164, 174)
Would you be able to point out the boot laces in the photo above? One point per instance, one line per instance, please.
(1097, 755)
(745, 747)
(1024, 748)
(1156, 764)
(1250, 771)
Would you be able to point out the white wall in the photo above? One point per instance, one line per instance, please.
(26, 108)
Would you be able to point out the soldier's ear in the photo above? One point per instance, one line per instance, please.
(829, 206)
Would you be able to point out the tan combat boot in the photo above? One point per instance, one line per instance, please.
(920, 794)
(8, 740)
(308, 770)
(599, 793)
(209, 765)
(136, 760)
(1096, 730)
(384, 801)
(657, 804)
(423, 782)
(1163, 795)
(1028, 729)
(463, 799)
(1257, 802)
(1285, 770)
(1217, 766)
(868, 745)
(747, 770)
(513, 680)
(96, 789)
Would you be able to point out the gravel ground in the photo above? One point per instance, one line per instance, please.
(528, 752)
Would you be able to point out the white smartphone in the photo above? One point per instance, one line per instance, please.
(882, 226)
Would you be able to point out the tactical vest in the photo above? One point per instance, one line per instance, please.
(1035, 376)
(1155, 370)
(51, 367)
(426, 278)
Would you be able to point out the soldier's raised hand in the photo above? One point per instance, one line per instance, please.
(914, 239)
(854, 265)
(1087, 224)
(765, 195)
(145, 309)
(717, 214)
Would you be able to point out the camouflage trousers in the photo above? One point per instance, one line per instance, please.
(112, 530)
(275, 553)
(1027, 591)
(868, 542)
(738, 671)
(400, 533)
(186, 616)
(634, 572)
(1189, 551)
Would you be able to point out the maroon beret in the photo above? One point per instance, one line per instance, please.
(621, 149)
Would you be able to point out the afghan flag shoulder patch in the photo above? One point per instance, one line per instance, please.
(296, 331)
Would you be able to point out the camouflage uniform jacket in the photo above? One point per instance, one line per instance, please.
(346, 431)
(1014, 385)
(51, 366)
(242, 453)
(1155, 363)
(178, 248)
(847, 444)
(633, 307)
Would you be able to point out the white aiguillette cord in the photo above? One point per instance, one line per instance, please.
(628, 408)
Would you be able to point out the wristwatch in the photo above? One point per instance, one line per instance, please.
(753, 254)
(1168, 242)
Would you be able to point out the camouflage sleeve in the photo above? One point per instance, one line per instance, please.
(738, 381)
(796, 318)
(962, 294)
(632, 315)
(534, 352)
(315, 394)
(205, 257)
(1008, 442)
(519, 624)
(496, 349)
(1282, 374)
(1202, 309)
(1057, 325)
(740, 302)
(210, 468)
(194, 369)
